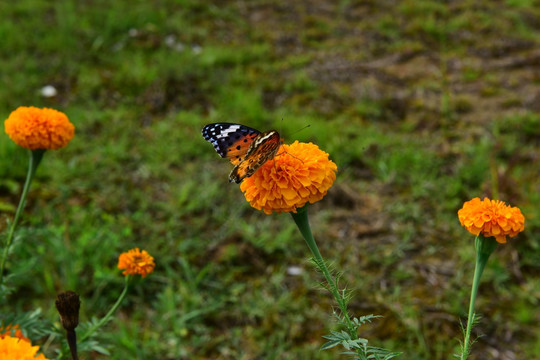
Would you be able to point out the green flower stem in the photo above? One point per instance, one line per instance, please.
(301, 220)
(107, 317)
(484, 248)
(35, 158)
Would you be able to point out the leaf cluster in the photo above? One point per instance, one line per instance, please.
(360, 347)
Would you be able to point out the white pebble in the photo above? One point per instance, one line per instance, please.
(48, 91)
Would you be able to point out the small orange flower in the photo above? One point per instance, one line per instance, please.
(34, 128)
(12, 330)
(491, 218)
(301, 173)
(12, 348)
(136, 262)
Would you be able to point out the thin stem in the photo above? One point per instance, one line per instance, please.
(72, 342)
(484, 248)
(107, 317)
(301, 220)
(35, 159)
(479, 268)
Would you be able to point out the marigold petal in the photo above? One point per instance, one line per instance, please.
(518, 227)
(288, 193)
(501, 239)
(480, 222)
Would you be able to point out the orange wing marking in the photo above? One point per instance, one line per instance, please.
(262, 149)
(238, 150)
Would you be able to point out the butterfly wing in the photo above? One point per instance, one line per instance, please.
(260, 151)
(230, 140)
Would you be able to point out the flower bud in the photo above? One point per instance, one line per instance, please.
(68, 305)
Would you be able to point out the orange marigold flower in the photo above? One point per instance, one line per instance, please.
(300, 173)
(12, 348)
(12, 330)
(491, 218)
(136, 262)
(34, 128)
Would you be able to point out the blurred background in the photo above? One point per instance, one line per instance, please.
(423, 105)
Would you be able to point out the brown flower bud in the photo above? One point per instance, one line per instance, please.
(68, 304)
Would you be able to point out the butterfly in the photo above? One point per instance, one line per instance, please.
(246, 148)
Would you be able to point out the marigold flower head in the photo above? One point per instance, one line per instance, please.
(13, 348)
(300, 173)
(136, 262)
(491, 218)
(34, 128)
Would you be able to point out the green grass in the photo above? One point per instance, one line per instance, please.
(413, 139)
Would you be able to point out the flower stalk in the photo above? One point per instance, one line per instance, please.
(35, 158)
(108, 316)
(301, 220)
(484, 248)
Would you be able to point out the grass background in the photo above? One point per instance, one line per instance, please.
(423, 105)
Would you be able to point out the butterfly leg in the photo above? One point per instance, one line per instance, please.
(288, 153)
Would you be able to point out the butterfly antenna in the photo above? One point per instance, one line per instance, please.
(281, 140)
(305, 127)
